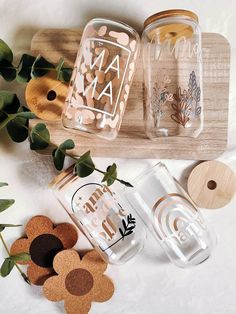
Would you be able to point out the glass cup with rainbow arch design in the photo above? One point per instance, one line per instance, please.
(171, 216)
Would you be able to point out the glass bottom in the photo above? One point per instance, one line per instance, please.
(155, 133)
(108, 135)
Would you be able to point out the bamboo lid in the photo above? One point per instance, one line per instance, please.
(45, 97)
(62, 175)
(173, 30)
(171, 13)
(212, 184)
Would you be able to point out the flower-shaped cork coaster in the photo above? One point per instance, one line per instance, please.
(43, 242)
(79, 281)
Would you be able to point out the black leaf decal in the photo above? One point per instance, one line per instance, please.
(128, 225)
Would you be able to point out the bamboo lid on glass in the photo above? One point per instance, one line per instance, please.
(174, 30)
(171, 13)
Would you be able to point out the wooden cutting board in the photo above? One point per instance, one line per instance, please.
(132, 141)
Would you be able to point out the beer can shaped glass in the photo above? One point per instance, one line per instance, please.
(102, 77)
(171, 217)
(172, 62)
(107, 220)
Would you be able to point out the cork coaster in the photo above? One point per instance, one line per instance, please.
(79, 281)
(45, 97)
(43, 241)
(212, 184)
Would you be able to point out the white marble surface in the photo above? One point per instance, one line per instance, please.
(148, 284)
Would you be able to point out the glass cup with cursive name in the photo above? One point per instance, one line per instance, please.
(109, 223)
(172, 62)
(171, 217)
(102, 77)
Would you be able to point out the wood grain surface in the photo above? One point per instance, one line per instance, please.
(132, 141)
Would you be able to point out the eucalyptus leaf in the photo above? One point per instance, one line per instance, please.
(26, 114)
(5, 203)
(7, 70)
(65, 74)
(5, 52)
(58, 159)
(21, 257)
(67, 144)
(110, 175)
(84, 165)
(40, 67)
(24, 68)
(59, 153)
(3, 226)
(4, 121)
(11, 102)
(7, 267)
(1, 103)
(39, 137)
(3, 184)
(18, 129)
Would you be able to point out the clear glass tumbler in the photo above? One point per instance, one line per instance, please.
(102, 77)
(105, 219)
(172, 62)
(171, 216)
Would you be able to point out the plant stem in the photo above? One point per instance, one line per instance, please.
(4, 244)
(70, 155)
(17, 266)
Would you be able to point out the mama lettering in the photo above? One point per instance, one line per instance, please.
(98, 64)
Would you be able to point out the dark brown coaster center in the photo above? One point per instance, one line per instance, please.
(44, 248)
(79, 282)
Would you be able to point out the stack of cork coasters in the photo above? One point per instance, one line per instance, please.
(62, 272)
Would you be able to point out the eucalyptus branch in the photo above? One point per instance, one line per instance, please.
(109, 177)
(11, 260)
(26, 279)
(15, 118)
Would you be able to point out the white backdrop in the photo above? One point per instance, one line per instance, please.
(148, 284)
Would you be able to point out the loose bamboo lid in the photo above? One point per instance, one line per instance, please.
(212, 184)
(171, 13)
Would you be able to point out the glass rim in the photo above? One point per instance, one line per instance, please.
(117, 21)
(157, 166)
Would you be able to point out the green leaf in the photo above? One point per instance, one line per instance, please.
(1, 103)
(59, 153)
(26, 114)
(24, 68)
(21, 257)
(5, 52)
(39, 137)
(84, 166)
(3, 226)
(16, 130)
(65, 75)
(5, 121)
(3, 184)
(5, 203)
(58, 159)
(67, 144)
(7, 267)
(11, 102)
(110, 175)
(40, 67)
(7, 70)
(18, 126)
